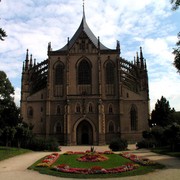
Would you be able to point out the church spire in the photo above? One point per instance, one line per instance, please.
(83, 11)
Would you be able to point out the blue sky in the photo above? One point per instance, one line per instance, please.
(31, 24)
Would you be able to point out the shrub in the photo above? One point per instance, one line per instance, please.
(41, 144)
(118, 144)
(146, 144)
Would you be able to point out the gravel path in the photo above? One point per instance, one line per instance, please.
(16, 168)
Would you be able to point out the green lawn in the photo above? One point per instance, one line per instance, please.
(114, 160)
(166, 151)
(7, 152)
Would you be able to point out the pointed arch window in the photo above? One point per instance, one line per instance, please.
(110, 109)
(30, 112)
(59, 74)
(109, 73)
(58, 128)
(84, 72)
(133, 116)
(78, 108)
(90, 108)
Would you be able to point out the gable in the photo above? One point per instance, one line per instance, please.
(83, 44)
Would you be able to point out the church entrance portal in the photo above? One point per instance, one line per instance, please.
(84, 133)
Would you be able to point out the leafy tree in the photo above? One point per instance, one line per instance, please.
(23, 133)
(162, 115)
(9, 133)
(172, 135)
(176, 51)
(9, 113)
(2, 33)
(175, 3)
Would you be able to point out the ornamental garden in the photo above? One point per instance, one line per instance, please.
(93, 164)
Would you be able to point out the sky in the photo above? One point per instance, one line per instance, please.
(32, 24)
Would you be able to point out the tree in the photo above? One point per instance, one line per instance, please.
(176, 4)
(162, 115)
(2, 33)
(172, 135)
(176, 51)
(7, 104)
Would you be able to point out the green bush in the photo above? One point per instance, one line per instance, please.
(118, 144)
(41, 144)
(146, 144)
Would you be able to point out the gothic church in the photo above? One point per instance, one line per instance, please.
(86, 93)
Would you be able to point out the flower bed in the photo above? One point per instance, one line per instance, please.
(137, 159)
(92, 157)
(95, 169)
(48, 160)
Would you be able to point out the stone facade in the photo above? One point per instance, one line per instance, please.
(86, 93)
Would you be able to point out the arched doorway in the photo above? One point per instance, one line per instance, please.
(84, 133)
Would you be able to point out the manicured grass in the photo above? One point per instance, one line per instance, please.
(166, 151)
(114, 160)
(7, 152)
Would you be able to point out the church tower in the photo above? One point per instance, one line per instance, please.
(85, 93)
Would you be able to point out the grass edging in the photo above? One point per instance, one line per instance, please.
(8, 152)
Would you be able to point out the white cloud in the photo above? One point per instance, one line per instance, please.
(32, 24)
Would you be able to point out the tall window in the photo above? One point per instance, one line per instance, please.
(59, 74)
(84, 72)
(110, 109)
(58, 128)
(78, 108)
(133, 115)
(90, 108)
(30, 112)
(109, 73)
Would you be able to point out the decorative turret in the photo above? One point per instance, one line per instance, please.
(34, 62)
(49, 47)
(137, 59)
(27, 61)
(141, 58)
(30, 64)
(118, 47)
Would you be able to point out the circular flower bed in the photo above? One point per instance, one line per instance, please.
(92, 157)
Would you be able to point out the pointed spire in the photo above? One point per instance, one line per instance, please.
(145, 66)
(49, 46)
(83, 10)
(118, 46)
(137, 59)
(27, 60)
(141, 54)
(98, 43)
(27, 54)
(141, 58)
(34, 62)
(30, 65)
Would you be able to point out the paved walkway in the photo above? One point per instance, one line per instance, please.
(16, 168)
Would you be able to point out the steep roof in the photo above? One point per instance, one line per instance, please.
(83, 28)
